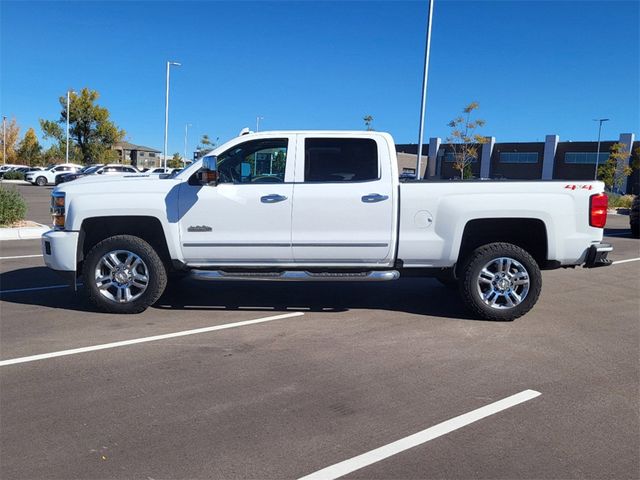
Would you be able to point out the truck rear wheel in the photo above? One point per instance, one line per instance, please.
(500, 281)
(123, 274)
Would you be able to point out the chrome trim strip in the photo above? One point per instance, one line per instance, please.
(285, 244)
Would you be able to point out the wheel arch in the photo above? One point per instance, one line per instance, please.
(95, 229)
(529, 234)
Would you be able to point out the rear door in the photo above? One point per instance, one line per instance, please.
(343, 208)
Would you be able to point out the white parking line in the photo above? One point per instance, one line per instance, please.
(356, 463)
(626, 261)
(154, 338)
(33, 289)
(20, 256)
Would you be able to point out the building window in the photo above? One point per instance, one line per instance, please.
(450, 157)
(152, 155)
(518, 157)
(585, 157)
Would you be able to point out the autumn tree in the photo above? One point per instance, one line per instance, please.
(616, 168)
(175, 161)
(12, 134)
(464, 141)
(90, 129)
(29, 148)
(368, 121)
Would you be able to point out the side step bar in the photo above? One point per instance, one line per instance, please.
(296, 276)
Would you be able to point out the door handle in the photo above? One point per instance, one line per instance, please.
(273, 198)
(374, 197)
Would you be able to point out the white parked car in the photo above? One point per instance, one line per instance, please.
(321, 206)
(45, 177)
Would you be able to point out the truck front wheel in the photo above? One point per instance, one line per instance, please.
(123, 274)
(500, 281)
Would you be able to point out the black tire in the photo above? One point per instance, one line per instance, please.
(469, 282)
(41, 181)
(156, 272)
(635, 230)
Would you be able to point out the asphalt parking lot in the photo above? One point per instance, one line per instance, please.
(342, 370)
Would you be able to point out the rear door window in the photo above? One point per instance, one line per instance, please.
(340, 160)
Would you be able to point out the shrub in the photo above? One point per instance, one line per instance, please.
(12, 206)
(620, 201)
(12, 175)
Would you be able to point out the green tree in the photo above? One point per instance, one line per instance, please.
(368, 121)
(90, 128)
(175, 161)
(29, 149)
(616, 168)
(52, 155)
(464, 140)
(12, 134)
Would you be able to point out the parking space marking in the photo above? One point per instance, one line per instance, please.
(356, 463)
(20, 256)
(33, 289)
(123, 343)
(626, 261)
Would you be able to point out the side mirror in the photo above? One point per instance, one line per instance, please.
(209, 171)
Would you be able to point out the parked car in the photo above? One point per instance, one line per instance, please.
(10, 168)
(111, 169)
(634, 217)
(45, 177)
(320, 206)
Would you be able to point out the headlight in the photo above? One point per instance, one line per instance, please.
(58, 209)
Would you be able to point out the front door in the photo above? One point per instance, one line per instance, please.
(246, 218)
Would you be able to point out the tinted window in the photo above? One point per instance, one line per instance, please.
(257, 161)
(340, 160)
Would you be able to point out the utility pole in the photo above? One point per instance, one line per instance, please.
(424, 90)
(166, 113)
(601, 120)
(258, 122)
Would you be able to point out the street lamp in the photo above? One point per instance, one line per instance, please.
(258, 122)
(601, 120)
(424, 89)
(166, 113)
(69, 92)
(4, 139)
(186, 132)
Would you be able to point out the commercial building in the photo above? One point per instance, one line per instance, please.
(548, 160)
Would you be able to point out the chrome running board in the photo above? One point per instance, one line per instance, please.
(296, 276)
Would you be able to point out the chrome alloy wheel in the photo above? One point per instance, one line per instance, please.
(503, 283)
(121, 276)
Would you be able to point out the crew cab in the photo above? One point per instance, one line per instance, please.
(320, 206)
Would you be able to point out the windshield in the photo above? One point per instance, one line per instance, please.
(90, 170)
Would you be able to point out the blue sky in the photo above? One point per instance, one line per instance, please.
(535, 67)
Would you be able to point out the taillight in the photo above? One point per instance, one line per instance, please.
(598, 210)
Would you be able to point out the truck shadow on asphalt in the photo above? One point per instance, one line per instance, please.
(409, 295)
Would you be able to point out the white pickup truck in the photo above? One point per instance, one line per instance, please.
(320, 206)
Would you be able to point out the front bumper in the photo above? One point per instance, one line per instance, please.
(60, 250)
(597, 255)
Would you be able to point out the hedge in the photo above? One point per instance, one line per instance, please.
(12, 206)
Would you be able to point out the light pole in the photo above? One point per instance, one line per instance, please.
(601, 120)
(258, 122)
(166, 113)
(4, 140)
(424, 89)
(69, 92)
(186, 132)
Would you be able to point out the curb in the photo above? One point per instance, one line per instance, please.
(16, 182)
(23, 233)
